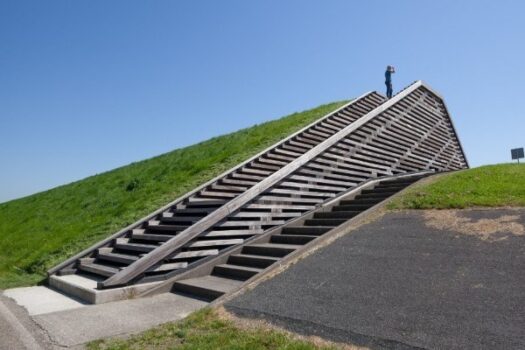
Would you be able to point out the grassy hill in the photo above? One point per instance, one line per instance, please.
(38, 231)
(498, 185)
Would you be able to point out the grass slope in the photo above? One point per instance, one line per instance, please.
(38, 231)
(205, 330)
(487, 186)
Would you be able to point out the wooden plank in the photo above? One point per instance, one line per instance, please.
(214, 243)
(194, 254)
(234, 233)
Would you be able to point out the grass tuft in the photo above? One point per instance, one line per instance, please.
(205, 330)
(41, 230)
(501, 185)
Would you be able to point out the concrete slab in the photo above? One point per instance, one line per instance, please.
(77, 326)
(41, 300)
(18, 331)
(83, 287)
(411, 280)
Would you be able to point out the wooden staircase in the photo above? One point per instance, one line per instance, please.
(244, 265)
(369, 138)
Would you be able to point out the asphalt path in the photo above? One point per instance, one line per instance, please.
(397, 283)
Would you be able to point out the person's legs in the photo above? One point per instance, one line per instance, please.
(389, 90)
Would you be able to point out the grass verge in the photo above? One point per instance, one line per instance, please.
(501, 185)
(204, 329)
(41, 230)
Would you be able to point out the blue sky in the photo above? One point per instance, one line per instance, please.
(87, 86)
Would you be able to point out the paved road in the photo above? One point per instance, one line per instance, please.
(399, 284)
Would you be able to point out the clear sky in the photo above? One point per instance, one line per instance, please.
(87, 86)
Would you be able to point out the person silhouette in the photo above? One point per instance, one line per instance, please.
(388, 80)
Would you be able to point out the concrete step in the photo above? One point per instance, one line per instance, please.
(324, 222)
(235, 271)
(84, 287)
(336, 214)
(207, 287)
(270, 249)
(306, 230)
(292, 239)
(252, 260)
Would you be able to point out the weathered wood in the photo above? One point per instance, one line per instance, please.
(141, 265)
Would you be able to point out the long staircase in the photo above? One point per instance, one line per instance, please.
(245, 264)
(369, 138)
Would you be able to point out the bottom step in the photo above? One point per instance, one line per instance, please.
(84, 287)
(207, 287)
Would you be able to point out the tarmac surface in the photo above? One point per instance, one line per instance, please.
(410, 280)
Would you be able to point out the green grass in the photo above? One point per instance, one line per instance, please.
(205, 330)
(41, 230)
(498, 185)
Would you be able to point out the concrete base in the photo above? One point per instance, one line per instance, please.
(78, 326)
(84, 288)
(41, 300)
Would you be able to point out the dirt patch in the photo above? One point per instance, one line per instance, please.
(249, 324)
(487, 229)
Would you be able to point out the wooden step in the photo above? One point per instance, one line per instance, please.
(235, 271)
(270, 249)
(324, 222)
(361, 201)
(233, 233)
(207, 287)
(336, 214)
(258, 261)
(151, 237)
(352, 207)
(88, 265)
(306, 230)
(155, 225)
(170, 267)
(215, 243)
(292, 239)
(194, 254)
(107, 254)
(124, 244)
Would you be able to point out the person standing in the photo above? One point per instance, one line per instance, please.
(388, 80)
